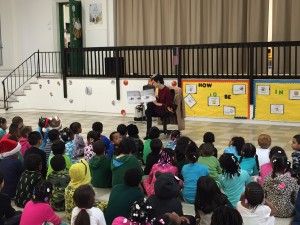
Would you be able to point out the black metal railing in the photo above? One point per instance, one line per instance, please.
(257, 60)
(36, 65)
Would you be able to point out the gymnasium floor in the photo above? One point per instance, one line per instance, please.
(281, 134)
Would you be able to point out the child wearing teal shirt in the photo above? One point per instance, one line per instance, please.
(233, 180)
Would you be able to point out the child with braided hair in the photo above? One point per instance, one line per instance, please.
(164, 165)
(254, 208)
(280, 188)
(249, 159)
(233, 179)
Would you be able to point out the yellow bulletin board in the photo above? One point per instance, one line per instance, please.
(216, 98)
(277, 100)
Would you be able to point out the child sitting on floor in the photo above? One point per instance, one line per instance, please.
(174, 136)
(84, 213)
(53, 135)
(29, 179)
(249, 160)
(262, 151)
(152, 133)
(8, 215)
(3, 127)
(208, 159)
(67, 136)
(122, 129)
(100, 167)
(235, 146)
(164, 165)
(254, 208)
(38, 210)
(280, 188)
(78, 139)
(133, 132)
(79, 175)
(156, 146)
(209, 138)
(191, 173)
(92, 137)
(60, 179)
(24, 139)
(58, 148)
(98, 128)
(232, 180)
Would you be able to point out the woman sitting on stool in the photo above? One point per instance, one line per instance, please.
(158, 108)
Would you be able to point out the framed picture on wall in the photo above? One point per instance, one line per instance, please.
(96, 14)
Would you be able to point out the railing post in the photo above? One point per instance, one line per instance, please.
(178, 68)
(38, 64)
(4, 96)
(117, 75)
(251, 73)
(64, 73)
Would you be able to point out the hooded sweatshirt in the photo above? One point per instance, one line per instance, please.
(166, 197)
(100, 172)
(120, 165)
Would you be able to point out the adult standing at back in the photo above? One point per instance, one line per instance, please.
(163, 100)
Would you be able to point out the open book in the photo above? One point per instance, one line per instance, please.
(137, 97)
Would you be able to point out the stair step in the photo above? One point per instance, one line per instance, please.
(33, 82)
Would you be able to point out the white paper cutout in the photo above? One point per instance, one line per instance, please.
(277, 109)
(191, 89)
(213, 101)
(229, 110)
(294, 95)
(239, 89)
(190, 101)
(263, 89)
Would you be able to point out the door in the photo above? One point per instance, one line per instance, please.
(76, 56)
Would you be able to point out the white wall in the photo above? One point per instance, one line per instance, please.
(29, 25)
(104, 92)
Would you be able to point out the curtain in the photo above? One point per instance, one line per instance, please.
(163, 22)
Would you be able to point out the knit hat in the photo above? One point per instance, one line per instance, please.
(166, 186)
(8, 148)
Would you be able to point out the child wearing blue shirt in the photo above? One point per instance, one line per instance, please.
(235, 146)
(249, 160)
(191, 173)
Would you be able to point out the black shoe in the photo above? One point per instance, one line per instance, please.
(146, 138)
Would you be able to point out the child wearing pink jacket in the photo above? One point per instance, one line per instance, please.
(38, 210)
(164, 165)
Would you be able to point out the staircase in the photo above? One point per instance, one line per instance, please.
(19, 81)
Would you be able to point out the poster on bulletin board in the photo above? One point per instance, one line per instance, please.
(277, 100)
(216, 98)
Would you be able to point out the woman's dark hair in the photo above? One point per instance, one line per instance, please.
(229, 164)
(84, 198)
(157, 77)
(254, 194)
(225, 215)
(182, 142)
(156, 145)
(42, 192)
(280, 164)
(32, 162)
(238, 142)
(276, 150)
(75, 127)
(192, 152)
(208, 195)
(126, 146)
(66, 134)
(249, 151)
